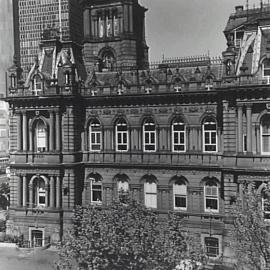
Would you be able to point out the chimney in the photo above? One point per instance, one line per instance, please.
(239, 9)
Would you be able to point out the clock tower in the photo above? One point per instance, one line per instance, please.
(114, 34)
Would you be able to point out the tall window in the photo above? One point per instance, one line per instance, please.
(180, 195)
(39, 192)
(40, 136)
(178, 136)
(211, 202)
(123, 190)
(212, 246)
(149, 136)
(266, 204)
(150, 194)
(96, 191)
(121, 136)
(95, 136)
(265, 134)
(209, 136)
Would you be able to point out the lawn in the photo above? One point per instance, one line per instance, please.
(18, 259)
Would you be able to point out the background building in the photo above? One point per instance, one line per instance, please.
(185, 134)
(31, 18)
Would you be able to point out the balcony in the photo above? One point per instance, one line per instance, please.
(154, 158)
(38, 158)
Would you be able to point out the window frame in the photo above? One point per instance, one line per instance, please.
(266, 69)
(216, 247)
(265, 212)
(152, 194)
(149, 134)
(97, 134)
(122, 194)
(178, 133)
(98, 182)
(122, 134)
(35, 89)
(181, 195)
(262, 135)
(38, 138)
(211, 183)
(210, 132)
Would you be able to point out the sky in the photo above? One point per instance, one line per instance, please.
(176, 28)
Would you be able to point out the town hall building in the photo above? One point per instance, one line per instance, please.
(94, 120)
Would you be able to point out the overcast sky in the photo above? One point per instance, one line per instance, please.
(188, 27)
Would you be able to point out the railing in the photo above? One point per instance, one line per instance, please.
(155, 158)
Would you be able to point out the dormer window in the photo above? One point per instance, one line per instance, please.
(266, 70)
(37, 85)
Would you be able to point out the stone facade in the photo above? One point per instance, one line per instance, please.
(182, 135)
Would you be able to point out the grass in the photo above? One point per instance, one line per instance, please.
(18, 259)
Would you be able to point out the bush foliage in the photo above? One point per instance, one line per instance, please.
(126, 236)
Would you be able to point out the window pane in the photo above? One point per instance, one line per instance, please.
(150, 187)
(152, 137)
(266, 143)
(212, 246)
(179, 147)
(207, 137)
(180, 201)
(211, 204)
(151, 200)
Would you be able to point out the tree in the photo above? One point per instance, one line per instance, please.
(4, 195)
(251, 229)
(126, 236)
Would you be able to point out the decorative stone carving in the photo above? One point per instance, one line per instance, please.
(106, 111)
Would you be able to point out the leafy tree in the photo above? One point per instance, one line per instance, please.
(126, 236)
(251, 231)
(4, 195)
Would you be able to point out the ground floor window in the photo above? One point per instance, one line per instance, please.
(211, 246)
(36, 237)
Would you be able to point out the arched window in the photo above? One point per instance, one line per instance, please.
(41, 136)
(266, 69)
(211, 196)
(209, 135)
(123, 190)
(149, 136)
(265, 134)
(121, 136)
(95, 136)
(178, 136)
(37, 85)
(150, 193)
(12, 80)
(39, 192)
(108, 60)
(96, 190)
(180, 195)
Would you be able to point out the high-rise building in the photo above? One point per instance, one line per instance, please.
(6, 41)
(32, 18)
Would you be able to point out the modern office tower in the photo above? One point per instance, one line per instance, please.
(31, 18)
(6, 41)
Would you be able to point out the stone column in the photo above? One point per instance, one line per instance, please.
(31, 196)
(51, 131)
(19, 132)
(131, 19)
(240, 127)
(58, 192)
(25, 128)
(31, 148)
(46, 196)
(86, 23)
(19, 191)
(52, 192)
(249, 128)
(24, 191)
(58, 130)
